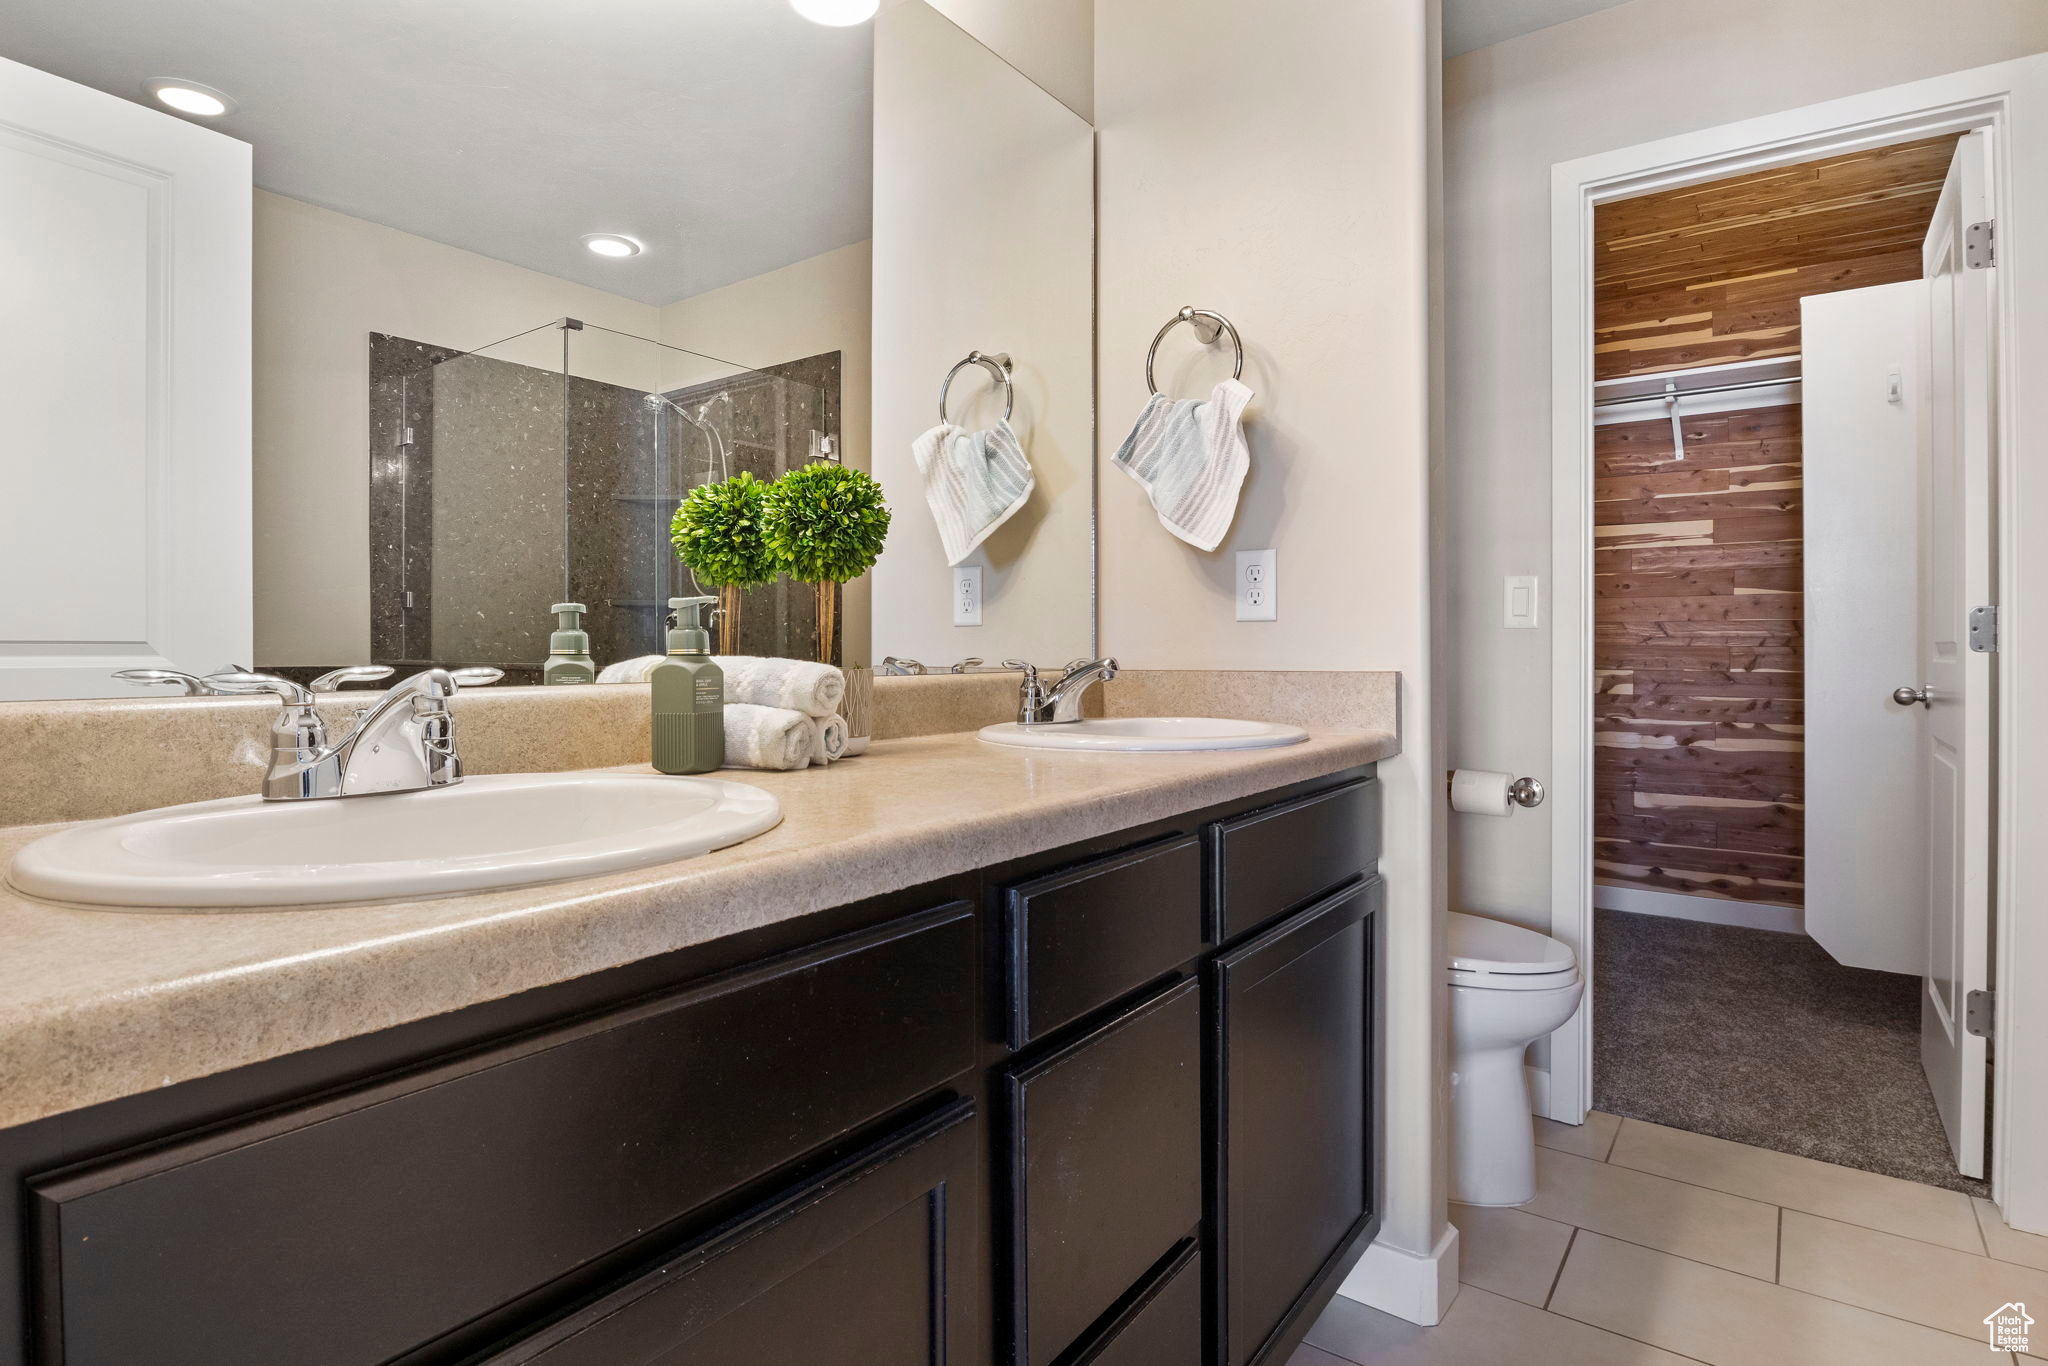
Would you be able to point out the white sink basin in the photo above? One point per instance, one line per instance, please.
(1139, 733)
(482, 832)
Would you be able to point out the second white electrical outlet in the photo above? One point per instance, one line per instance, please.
(1258, 585)
(967, 595)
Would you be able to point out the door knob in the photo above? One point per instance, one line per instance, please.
(1906, 697)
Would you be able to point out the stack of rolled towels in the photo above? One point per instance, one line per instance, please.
(782, 713)
(779, 713)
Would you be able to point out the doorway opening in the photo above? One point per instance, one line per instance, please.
(1780, 533)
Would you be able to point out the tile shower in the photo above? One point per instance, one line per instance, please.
(546, 468)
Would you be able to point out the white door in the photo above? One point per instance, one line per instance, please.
(1956, 720)
(1862, 409)
(124, 361)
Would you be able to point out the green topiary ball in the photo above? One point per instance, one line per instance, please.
(718, 532)
(826, 523)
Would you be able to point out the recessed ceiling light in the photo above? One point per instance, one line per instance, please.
(611, 244)
(189, 97)
(837, 13)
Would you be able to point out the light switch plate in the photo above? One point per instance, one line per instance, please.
(1518, 600)
(967, 595)
(1258, 585)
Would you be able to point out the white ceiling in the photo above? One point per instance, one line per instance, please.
(730, 136)
(1472, 24)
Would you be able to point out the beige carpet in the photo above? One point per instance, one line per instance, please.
(1763, 1038)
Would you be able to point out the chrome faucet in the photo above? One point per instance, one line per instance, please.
(1038, 705)
(402, 742)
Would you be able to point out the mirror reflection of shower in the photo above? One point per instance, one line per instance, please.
(715, 468)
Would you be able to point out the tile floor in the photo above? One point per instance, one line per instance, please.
(1649, 1246)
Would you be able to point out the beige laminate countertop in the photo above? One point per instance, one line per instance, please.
(97, 1004)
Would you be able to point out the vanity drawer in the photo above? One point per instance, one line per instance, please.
(1105, 1168)
(1163, 1327)
(1269, 861)
(1083, 936)
(352, 1230)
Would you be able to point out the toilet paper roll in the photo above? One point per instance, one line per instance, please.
(1480, 792)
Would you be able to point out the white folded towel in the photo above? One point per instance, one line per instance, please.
(766, 737)
(974, 482)
(1190, 456)
(629, 670)
(797, 684)
(828, 739)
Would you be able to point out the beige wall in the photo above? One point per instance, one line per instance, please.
(1644, 70)
(1272, 162)
(324, 281)
(984, 239)
(1051, 41)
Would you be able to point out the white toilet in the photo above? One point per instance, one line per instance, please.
(1509, 987)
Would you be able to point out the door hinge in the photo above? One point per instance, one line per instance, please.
(1984, 630)
(1980, 1011)
(1980, 245)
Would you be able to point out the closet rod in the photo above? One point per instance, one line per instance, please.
(1666, 396)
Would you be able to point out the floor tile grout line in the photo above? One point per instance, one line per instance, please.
(1641, 1342)
(1834, 1219)
(1796, 1290)
(1558, 1275)
(1778, 1267)
(1658, 1346)
(1613, 1141)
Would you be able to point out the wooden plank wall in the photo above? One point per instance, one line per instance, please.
(1698, 698)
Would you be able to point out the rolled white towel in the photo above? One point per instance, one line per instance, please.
(828, 739)
(629, 670)
(766, 737)
(796, 684)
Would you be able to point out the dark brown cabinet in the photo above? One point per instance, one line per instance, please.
(1106, 1167)
(1110, 1105)
(1295, 1128)
(867, 1266)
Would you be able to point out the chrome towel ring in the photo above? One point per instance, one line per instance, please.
(997, 364)
(1208, 327)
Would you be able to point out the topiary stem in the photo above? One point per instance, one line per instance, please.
(729, 619)
(828, 620)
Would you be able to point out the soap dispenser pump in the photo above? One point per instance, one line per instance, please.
(569, 647)
(688, 696)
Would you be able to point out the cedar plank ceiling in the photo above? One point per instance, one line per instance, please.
(1699, 771)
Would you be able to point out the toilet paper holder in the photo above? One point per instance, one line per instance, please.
(1526, 793)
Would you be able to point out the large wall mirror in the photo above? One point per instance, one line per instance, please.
(525, 276)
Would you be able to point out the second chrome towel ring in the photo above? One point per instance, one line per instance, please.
(1208, 327)
(997, 364)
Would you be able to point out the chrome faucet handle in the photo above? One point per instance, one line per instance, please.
(247, 684)
(1029, 670)
(967, 665)
(1033, 701)
(333, 679)
(193, 685)
(475, 676)
(907, 668)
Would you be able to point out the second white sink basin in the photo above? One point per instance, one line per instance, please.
(1140, 733)
(500, 831)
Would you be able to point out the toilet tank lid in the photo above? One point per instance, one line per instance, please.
(1482, 945)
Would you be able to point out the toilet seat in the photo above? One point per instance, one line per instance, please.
(1496, 956)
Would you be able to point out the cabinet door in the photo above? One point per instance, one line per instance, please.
(869, 1266)
(1106, 1175)
(1294, 1095)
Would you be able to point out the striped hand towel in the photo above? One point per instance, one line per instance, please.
(974, 482)
(1190, 456)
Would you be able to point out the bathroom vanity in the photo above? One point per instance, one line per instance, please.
(1111, 1099)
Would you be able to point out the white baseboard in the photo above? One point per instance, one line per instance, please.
(1711, 910)
(1418, 1287)
(1539, 1089)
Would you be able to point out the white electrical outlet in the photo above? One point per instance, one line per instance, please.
(1258, 585)
(967, 595)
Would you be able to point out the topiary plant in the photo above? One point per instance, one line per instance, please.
(825, 523)
(719, 532)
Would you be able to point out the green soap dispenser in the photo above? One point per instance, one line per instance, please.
(569, 647)
(689, 696)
